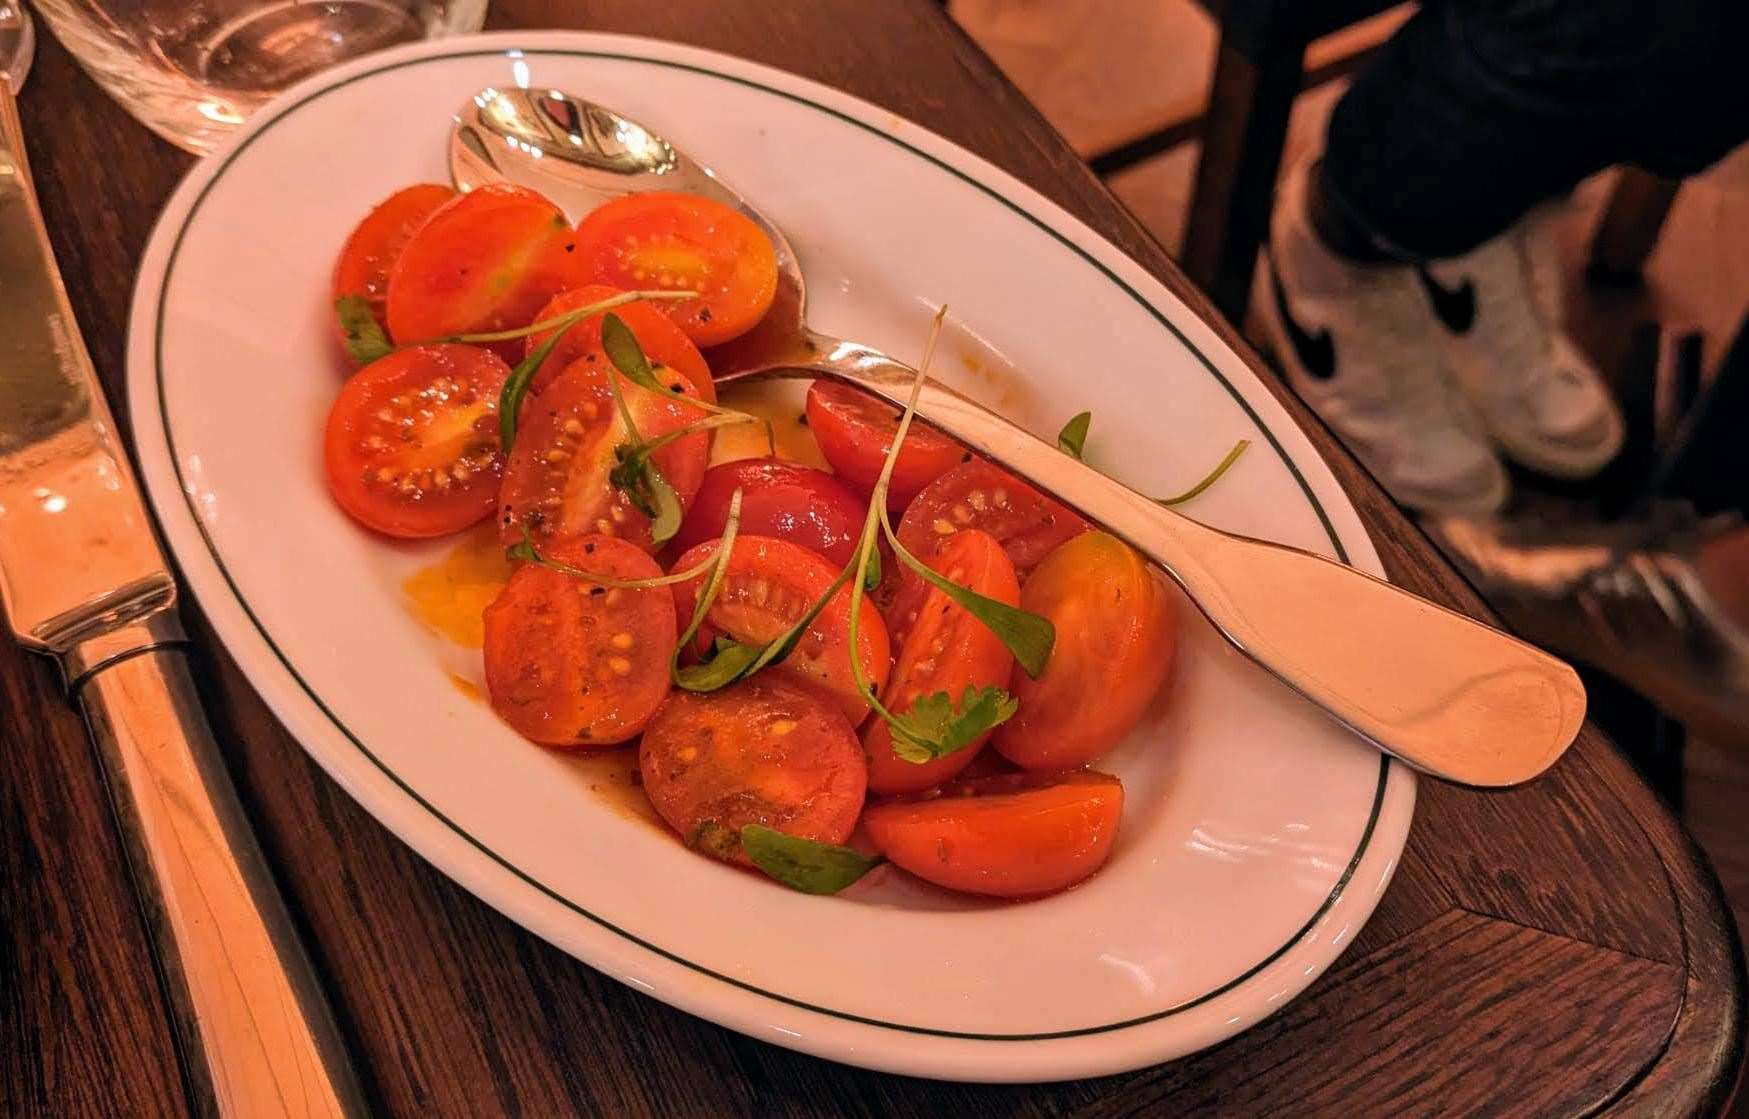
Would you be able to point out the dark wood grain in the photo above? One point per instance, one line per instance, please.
(1556, 950)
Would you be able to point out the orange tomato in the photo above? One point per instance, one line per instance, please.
(947, 650)
(1116, 639)
(681, 241)
(1018, 835)
(569, 663)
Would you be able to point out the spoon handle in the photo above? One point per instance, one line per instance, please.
(1443, 692)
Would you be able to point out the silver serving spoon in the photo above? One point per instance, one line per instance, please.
(1445, 693)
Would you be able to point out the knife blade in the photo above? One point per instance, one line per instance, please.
(83, 579)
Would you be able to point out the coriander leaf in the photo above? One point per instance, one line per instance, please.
(934, 727)
(805, 864)
(365, 340)
(516, 387)
(1028, 636)
(1073, 437)
(1212, 477)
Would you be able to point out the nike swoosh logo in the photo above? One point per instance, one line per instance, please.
(1316, 352)
(1455, 307)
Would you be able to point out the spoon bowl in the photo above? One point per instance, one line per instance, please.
(1447, 694)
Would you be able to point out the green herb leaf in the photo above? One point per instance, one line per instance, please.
(626, 354)
(712, 587)
(365, 340)
(1213, 476)
(524, 551)
(805, 864)
(649, 492)
(935, 726)
(1073, 437)
(1027, 635)
(741, 661)
(516, 387)
(564, 321)
(729, 661)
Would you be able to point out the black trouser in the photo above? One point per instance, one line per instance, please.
(1479, 109)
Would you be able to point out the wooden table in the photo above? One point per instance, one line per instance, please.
(1556, 950)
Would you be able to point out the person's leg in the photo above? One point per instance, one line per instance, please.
(1407, 243)
(1480, 109)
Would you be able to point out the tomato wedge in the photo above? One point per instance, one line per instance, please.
(778, 498)
(855, 431)
(976, 495)
(769, 585)
(375, 244)
(411, 445)
(684, 242)
(764, 751)
(487, 260)
(556, 483)
(662, 342)
(947, 650)
(1116, 640)
(571, 663)
(1018, 835)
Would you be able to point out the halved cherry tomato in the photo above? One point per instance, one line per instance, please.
(411, 446)
(556, 483)
(947, 650)
(1018, 835)
(855, 431)
(769, 585)
(374, 246)
(572, 663)
(681, 241)
(764, 751)
(662, 342)
(778, 498)
(977, 495)
(485, 261)
(1116, 638)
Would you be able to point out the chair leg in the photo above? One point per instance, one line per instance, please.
(1243, 134)
(1631, 222)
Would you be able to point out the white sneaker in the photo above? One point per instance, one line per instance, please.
(1361, 346)
(1498, 308)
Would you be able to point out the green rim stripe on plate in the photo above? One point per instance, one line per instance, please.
(1267, 435)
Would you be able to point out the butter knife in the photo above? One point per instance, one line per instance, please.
(82, 580)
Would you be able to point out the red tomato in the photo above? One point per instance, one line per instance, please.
(556, 482)
(795, 503)
(769, 585)
(411, 446)
(947, 650)
(764, 751)
(977, 495)
(663, 342)
(681, 241)
(855, 432)
(374, 246)
(1116, 638)
(570, 663)
(1015, 836)
(487, 260)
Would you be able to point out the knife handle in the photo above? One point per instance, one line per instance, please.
(252, 1019)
